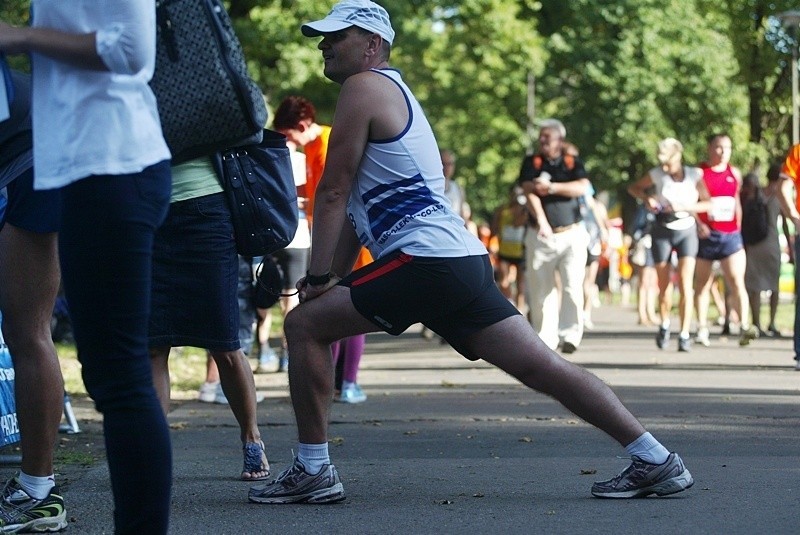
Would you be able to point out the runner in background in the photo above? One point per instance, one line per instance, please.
(721, 240)
(508, 227)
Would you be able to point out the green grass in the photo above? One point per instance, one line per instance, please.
(81, 458)
(784, 319)
(187, 365)
(187, 370)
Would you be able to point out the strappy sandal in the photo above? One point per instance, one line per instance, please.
(255, 461)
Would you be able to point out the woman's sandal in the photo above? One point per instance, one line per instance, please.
(256, 466)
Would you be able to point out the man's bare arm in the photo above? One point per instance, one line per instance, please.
(786, 199)
(364, 110)
(347, 250)
(573, 188)
(534, 205)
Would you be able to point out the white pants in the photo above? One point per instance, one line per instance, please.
(564, 252)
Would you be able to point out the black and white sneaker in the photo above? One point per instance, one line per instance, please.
(662, 338)
(642, 479)
(295, 485)
(20, 513)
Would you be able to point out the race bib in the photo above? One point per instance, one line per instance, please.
(723, 209)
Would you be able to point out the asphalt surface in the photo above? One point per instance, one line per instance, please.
(444, 445)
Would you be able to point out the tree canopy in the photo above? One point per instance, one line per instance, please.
(621, 74)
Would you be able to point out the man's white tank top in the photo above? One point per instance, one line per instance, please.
(398, 201)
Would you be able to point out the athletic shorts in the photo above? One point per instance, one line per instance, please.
(293, 264)
(454, 297)
(31, 210)
(518, 262)
(195, 277)
(683, 242)
(720, 245)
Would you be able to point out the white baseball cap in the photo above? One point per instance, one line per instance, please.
(362, 13)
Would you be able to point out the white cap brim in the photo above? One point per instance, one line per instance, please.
(321, 27)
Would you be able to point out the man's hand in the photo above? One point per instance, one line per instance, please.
(651, 204)
(545, 230)
(306, 292)
(703, 230)
(543, 188)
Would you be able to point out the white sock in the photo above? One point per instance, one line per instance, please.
(665, 324)
(648, 449)
(313, 456)
(37, 487)
(346, 385)
(684, 335)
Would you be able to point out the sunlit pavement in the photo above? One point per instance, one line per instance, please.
(445, 445)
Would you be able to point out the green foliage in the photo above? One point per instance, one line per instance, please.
(621, 74)
(16, 12)
(466, 61)
(763, 66)
(641, 76)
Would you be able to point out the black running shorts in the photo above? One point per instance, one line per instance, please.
(454, 297)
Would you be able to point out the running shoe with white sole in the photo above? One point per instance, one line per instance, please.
(662, 338)
(267, 362)
(747, 335)
(208, 392)
(642, 479)
(351, 394)
(702, 337)
(19, 513)
(295, 485)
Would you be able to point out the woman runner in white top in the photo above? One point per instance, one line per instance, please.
(674, 192)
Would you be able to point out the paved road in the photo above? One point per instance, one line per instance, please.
(444, 445)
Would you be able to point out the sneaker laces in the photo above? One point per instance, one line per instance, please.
(16, 502)
(291, 475)
(634, 471)
(13, 493)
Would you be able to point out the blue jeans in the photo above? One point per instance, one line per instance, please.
(105, 246)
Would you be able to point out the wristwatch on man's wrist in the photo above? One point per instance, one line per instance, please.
(319, 280)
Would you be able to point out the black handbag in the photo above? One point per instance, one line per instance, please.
(206, 98)
(261, 194)
(269, 283)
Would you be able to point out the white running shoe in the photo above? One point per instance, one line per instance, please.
(208, 392)
(702, 337)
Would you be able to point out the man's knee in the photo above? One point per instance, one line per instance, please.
(32, 345)
(292, 321)
(298, 324)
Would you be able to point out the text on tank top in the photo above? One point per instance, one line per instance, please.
(397, 201)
